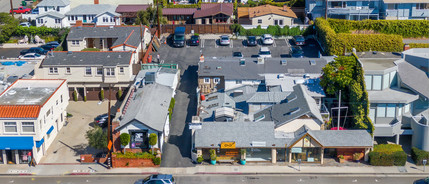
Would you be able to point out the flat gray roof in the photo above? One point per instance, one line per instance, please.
(377, 54)
(392, 95)
(88, 58)
(129, 35)
(378, 63)
(29, 92)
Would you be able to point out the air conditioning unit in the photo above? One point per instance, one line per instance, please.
(261, 60)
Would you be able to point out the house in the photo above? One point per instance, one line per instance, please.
(214, 13)
(115, 38)
(261, 142)
(128, 12)
(179, 15)
(403, 10)
(88, 73)
(266, 15)
(98, 14)
(51, 13)
(32, 112)
(398, 94)
(152, 92)
(350, 10)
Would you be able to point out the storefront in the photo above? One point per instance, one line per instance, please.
(15, 150)
(307, 149)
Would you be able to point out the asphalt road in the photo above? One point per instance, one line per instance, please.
(214, 179)
(10, 53)
(5, 5)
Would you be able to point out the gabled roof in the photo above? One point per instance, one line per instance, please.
(243, 12)
(178, 11)
(210, 9)
(297, 104)
(131, 8)
(88, 58)
(268, 97)
(52, 14)
(19, 111)
(413, 77)
(54, 3)
(93, 9)
(342, 138)
(269, 9)
(149, 106)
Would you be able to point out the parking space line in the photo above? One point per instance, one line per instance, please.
(274, 43)
(232, 44)
(216, 46)
(202, 43)
(287, 42)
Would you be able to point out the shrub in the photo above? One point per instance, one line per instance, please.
(170, 108)
(156, 161)
(75, 96)
(102, 94)
(142, 155)
(419, 45)
(200, 159)
(125, 139)
(419, 155)
(213, 154)
(119, 94)
(84, 98)
(387, 155)
(273, 30)
(33, 30)
(90, 49)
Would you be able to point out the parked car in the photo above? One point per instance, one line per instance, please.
(179, 37)
(299, 40)
(31, 56)
(194, 41)
(237, 55)
(251, 41)
(422, 181)
(35, 11)
(224, 40)
(25, 24)
(264, 52)
(101, 120)
(157, 179)
(20, 10)
(53, 43)
(37, 50)
(296, 51)
(267, 39)
(50, 45)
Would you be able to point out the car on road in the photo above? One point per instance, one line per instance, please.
(35, 11)
(53, 43)
(251, 41)
(422, 181)
(50, 45)
(179, 37)
(20, 10)
(194, 41)
(31, 56)
(157, 179)
(237, 55)
(296, 51)
(267, 39)
(37, 50)
(101, 120)
(25, 24)
(299, 40)
(224, 40)
(264, 52)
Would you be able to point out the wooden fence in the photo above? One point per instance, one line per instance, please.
(198, 28)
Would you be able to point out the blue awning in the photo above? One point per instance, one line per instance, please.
(16, 143)
(50, 130)
(39, 143)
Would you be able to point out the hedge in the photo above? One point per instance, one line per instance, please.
(90, 49)
(156, 161)
(419, 45)
(419, 155)
(33, 30)
(273, 30)
(144, 155)
(387, 155)
(335, 43)
(292, 3)
(405, 28)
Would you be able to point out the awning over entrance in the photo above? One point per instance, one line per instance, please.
(39, 143)
(16, 143)
(50, 130)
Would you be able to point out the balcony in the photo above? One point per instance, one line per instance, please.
(388, 130)
(355, 10)
(420, 126)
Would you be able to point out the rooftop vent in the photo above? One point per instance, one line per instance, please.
(306, 76)
(283, 62)
(292, 111)
(149, 78)
(261, 60)
(108, 56)
(218, 67)
(312, 62)
(110, 27)
(281, 76)
(119, 56)
(11, 92)
(242, 62)
(237, 93)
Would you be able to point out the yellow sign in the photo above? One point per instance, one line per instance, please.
(227, 145)
(109, 145)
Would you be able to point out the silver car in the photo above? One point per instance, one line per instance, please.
(224, 40)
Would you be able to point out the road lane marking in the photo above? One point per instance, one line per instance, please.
(232, 44)
(202, 43)
(274, 43)
(216, 46)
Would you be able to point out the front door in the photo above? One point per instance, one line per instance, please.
(10, 157)
(90, 42)
(84, 18)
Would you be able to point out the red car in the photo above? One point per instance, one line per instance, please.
(21, 10)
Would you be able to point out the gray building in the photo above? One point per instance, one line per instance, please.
(403, 10)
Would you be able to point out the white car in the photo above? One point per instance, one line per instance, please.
(25, 24)
(267, 39)
(264, 52)
(224, 40)
(31, 56)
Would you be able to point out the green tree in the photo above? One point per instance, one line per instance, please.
(153, 139)
(97, 138)
(8, 25)
(125, 139)
(149, 16)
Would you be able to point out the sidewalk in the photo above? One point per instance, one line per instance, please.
(96, 169)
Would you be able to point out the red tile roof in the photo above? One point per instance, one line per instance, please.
(178, 11)
(210, 9)
(124, 8)
(19, 111)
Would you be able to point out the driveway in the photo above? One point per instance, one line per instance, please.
(70, 142)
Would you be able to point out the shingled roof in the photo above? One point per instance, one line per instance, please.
(269, 9)
(214, 9)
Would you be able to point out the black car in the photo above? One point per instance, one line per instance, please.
(296, 51)
(37, 50)
(251, 41)
(237, 55)
(53, 43)
(101, 120)
(48, 47)
(299, 40)
(194, 41)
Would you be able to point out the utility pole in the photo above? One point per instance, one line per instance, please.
(326, 9)
(11, 9)
(339, 111)
(141, 42)
(157, 14)
(109, 130)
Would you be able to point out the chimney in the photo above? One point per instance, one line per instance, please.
(285, 8)
(79, 23)
(96, 2)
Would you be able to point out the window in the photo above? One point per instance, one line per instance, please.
(53, 70)
(368, 82)
(72, 17)
(68, 17)
(278, 22)
(46, 8)
(48, 113)
(56, 103)
(121, 70)
(111, 19)
(99, 70)
(381, 110)
(392, 6)
(216, 80)
(27, 126)
(75, 42)
(57, 21)
(319, 3)
(10, 127)
(206, 80)
(68, 70)
(372, 4)
(376, 82)
(390, 111)
(40, 21)
(88, 71)
(259, 21)
(400, 110)
(386, 81)
(105, 19)
(61, 98)
(110, 71)
(101, 42)
(238, 81)
(58, 8)
(421, 6)
(407, 108)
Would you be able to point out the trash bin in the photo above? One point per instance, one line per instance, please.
(24, 3)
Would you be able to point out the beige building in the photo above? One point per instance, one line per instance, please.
(88, 73)
(266, 15)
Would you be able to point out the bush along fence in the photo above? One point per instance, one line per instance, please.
(419, 45)
(273, 30)
(387, 155)
(337, 43)
(419, 155)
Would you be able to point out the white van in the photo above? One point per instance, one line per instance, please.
(264, 52)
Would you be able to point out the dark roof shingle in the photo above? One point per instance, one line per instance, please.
(209, 9)
(88, 58)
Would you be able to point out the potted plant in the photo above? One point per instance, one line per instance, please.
(356, 157)
(243, 157)
(341, 158)
(200, 159)
(213, 156)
